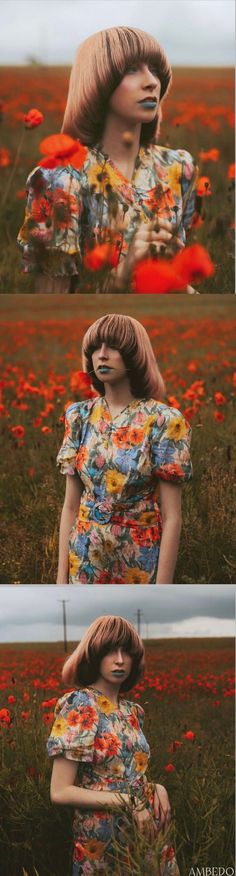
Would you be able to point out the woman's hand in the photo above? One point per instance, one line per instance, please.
(162, 807)
(145, 823)
(158, 234)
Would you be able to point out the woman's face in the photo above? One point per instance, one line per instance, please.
(116, 666)
(136, 98)
(108, 364)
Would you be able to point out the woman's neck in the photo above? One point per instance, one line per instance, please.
(118, 395)
(110, 691)
(121, 142)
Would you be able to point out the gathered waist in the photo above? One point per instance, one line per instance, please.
(143, 512)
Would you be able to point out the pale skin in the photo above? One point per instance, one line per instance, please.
(118, 395)
(63, 789)
(125, 116)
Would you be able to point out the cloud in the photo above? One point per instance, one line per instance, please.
(51, 30)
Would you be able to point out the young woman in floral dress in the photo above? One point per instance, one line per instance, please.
(125, 455)
(120, 185)
(101, 756)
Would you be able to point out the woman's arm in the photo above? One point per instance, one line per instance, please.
(74, 489)
(170, 502)
(63, 789)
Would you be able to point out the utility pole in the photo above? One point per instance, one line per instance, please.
(63, 601)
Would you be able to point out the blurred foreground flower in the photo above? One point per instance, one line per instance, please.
(158, 276)
(80, 382)
(100, 256)
(33, 118)
(60, 149)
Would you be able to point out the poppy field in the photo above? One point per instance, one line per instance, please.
(187, 693)
(41, 375)
(198, 115)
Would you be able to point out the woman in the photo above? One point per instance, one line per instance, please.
(125, 188)
(101, 754)
(120, 450)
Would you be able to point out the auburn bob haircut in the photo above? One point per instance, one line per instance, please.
(100, 64)
(128, 336)
(104, 635)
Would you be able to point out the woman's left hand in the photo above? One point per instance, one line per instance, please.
(162, 806)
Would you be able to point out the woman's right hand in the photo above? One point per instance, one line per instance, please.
(158, 234)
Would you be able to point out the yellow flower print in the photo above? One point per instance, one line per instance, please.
(96, 557)
(100, 176)
(83, 512)
(149, 422)
(74, 564)
(105, 706)
(136, 576)
(96, 414)
(114, 481)
(147, 518)
(141, 760)
(93, 849)
(174, 177)
(59, 727)
(176, 429)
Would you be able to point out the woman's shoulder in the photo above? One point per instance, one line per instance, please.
(78, 411)
(75, 699)
(41, 178)
(166, 156)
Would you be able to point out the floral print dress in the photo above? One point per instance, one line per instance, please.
(116, 536)
(70, 210)
(112, 753)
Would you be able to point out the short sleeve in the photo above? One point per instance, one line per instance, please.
(171, 438)
(50, 235)
(75, 727)
(189, 180)
(66, 457)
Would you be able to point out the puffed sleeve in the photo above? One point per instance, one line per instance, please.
(50, 235)
(75, 727)
(66, 457)
(171, 437)
(189, 180)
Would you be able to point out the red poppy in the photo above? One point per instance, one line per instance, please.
(193, 264)
(231, 171)
(104, 254)
(4, 157)
(156, 277)
(189, 735)
(5, 716)
(204, 186)
(33, 118)
(220, 399)
(58, 148)
(18, 432)
(211, 155)
(169, 768)
(218, 416)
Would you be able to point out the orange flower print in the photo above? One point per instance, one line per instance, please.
(87, 717)
(140, 759)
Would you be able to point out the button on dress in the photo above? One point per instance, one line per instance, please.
(116, 536)
(112, 754)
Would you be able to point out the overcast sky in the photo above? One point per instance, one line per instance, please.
(34, 614)
(192, 32)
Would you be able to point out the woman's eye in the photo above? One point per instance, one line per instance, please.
(132, 69)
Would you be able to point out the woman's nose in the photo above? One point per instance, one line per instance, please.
(103, 350)
(150, 78)
(119, 656)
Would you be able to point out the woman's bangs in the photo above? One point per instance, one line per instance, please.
(114, 333)
(132, 47)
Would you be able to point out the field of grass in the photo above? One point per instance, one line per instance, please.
(187, 686)
(41, 364)
(198, 115)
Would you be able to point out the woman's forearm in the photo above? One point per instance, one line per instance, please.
(83, 798)
(168, 550)
(67, 519)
